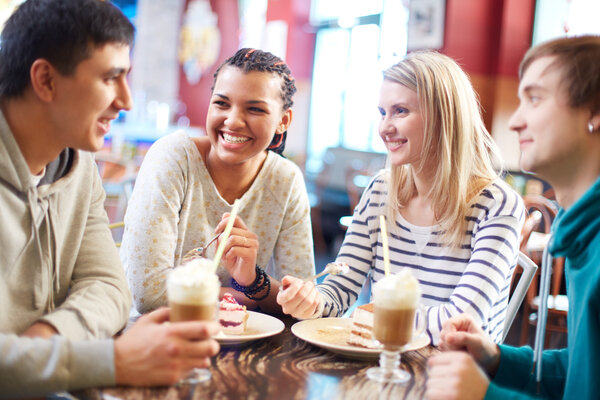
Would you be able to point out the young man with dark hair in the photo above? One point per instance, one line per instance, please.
(63, 293)
(558, 122)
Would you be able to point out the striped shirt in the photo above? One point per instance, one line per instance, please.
(473, 278)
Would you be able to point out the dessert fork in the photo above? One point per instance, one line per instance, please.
(333, 268)
(198, 252)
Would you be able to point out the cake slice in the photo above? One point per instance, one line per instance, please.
(361, 334)
(232, 315)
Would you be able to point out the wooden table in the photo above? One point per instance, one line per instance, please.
(284, 367)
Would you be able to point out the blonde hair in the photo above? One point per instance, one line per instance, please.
(455, 139)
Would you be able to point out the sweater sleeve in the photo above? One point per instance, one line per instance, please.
(515, 378)
(151, 224)
(98, 302)
(36, 367)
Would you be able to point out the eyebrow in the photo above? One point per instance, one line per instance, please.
(117, 71)
(532, 87)
(396, 105)
(248, 102)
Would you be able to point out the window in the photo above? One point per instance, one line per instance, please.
(556, 18)
(355, 41)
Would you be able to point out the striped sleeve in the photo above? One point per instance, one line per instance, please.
(483, 287)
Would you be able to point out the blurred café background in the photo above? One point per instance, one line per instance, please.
(336, 50)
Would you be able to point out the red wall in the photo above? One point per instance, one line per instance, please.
(300, 42)
(488, 36)
(197, 97)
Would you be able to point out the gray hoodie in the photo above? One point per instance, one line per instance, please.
(58, 264)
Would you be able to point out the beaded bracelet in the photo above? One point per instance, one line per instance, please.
(256, 286)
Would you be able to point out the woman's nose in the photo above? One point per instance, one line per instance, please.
(234, 118)
(385, 128)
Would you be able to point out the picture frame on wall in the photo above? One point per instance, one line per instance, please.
(426, 21)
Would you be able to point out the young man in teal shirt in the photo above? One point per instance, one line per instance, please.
(558, 122)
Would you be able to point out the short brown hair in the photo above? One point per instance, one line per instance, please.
(578, 59)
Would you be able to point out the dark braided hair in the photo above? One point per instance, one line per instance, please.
(258, 60)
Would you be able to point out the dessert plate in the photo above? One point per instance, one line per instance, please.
(331, 334)
(259, 326)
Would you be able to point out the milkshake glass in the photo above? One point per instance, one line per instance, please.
(193, 291)
(396, 299)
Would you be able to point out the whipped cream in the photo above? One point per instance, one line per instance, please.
(194, 283)
(399, 291)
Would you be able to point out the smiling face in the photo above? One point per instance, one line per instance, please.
(401, 126)
(245, 112)
(551, 132)
(86, 102)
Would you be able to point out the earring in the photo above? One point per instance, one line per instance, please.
(590, 127)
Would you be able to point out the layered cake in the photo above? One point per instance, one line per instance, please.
(232, 315)
(361, 334)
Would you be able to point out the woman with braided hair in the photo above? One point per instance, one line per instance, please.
(187, 185)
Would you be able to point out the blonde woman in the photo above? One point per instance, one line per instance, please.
(452, 220)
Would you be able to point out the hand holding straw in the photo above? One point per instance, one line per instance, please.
(225, 235)
(386, 249)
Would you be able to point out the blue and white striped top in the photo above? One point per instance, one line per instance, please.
(474, 278)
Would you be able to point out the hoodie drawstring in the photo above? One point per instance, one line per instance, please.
(49, 275)
(540, 331)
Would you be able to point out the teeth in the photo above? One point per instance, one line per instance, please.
(234, 139)
(396, 142)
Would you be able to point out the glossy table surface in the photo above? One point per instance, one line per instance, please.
(284, 367)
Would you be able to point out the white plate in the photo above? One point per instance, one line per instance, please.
(259, 326)
(331, 334)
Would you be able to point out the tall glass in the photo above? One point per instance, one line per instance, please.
(396, 301)
(193, 291)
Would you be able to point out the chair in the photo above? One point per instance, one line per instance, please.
(358, 177)
(315, 198)
(557, 303)
(117, 236)
(118, 177)
(518, 294)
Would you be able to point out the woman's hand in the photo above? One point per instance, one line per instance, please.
(298, 298)
(241, 251)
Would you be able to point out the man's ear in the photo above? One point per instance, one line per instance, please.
(42, 75)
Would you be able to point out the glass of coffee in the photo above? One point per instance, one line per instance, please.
(396, 299)
(193, 291)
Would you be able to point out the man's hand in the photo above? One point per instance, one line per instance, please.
(153, 352)
(463, 333)
(455, 375)
(40, 329)
(298, 298)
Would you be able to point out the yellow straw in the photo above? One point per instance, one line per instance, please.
(225, 235)
(386, 249)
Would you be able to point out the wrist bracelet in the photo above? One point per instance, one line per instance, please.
(256, 286)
